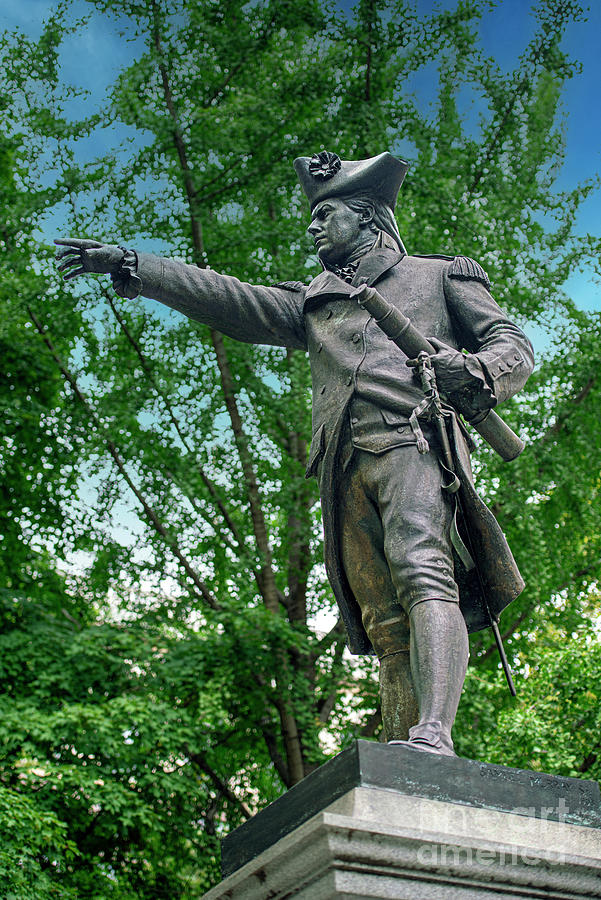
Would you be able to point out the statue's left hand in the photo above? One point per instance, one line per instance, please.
(450, 367)
(460, 378)
(81, 256)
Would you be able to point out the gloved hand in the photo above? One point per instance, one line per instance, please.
(81, 256)
(460, 378)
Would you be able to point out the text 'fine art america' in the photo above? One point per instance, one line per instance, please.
(403, 350)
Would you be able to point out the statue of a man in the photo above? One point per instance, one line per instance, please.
(389, 525)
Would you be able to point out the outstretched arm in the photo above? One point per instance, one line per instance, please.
(250, 313)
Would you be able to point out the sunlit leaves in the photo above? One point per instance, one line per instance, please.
(140, 721)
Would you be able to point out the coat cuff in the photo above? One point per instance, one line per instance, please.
(139, 273)
(126, 282)
(474, 366)
(477, 396)
(503, 370)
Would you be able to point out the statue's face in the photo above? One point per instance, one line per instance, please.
(336, 230)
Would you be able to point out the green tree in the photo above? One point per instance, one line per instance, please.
(172, 682)
(35, 466)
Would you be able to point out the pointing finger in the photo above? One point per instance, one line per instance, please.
(67, 263)
(74, 273)
(78, 243)
(70, 251)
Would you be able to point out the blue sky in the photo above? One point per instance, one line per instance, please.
(92, 60)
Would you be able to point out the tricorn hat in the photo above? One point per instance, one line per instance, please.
(326, 175)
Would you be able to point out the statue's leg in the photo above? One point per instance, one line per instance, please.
(416, 519)
(439, 656)
(384, 619)
(397, 696)
(395, 524)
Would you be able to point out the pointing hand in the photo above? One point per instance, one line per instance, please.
(81, 256)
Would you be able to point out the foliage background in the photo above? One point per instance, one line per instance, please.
(170, 658)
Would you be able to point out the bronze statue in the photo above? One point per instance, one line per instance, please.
(415, 558)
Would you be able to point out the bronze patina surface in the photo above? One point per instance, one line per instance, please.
(398, 539)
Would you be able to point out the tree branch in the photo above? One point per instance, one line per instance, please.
(266, 577)
(234, 69)
(292, 742)
(274, 754)
(200, 761)
(588, 762)
(368, 60)
(180, 147)
(546, 37)
(213, 492)
(299, 555)
(112, 449)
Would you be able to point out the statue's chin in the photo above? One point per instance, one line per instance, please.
(329, 258)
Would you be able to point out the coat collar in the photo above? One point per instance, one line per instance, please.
(373, 265)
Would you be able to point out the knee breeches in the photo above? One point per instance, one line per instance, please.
(395, 540)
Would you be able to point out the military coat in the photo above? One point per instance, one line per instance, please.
(360, 381)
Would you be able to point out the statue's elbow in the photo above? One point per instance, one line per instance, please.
(528, 358)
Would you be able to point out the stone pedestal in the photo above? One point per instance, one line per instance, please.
(384, 821)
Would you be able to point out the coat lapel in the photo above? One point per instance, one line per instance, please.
(327, 286)
(328, 283)
(373, 265)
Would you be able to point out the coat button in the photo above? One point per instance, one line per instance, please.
(356, 337)
(354, 420)
(329, 314)
(319, 347)
(322, 389)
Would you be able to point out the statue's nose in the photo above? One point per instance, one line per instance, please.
(313, 228)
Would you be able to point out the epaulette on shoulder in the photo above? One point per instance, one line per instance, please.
(297, 286)
(468, 269)
(432, 256)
